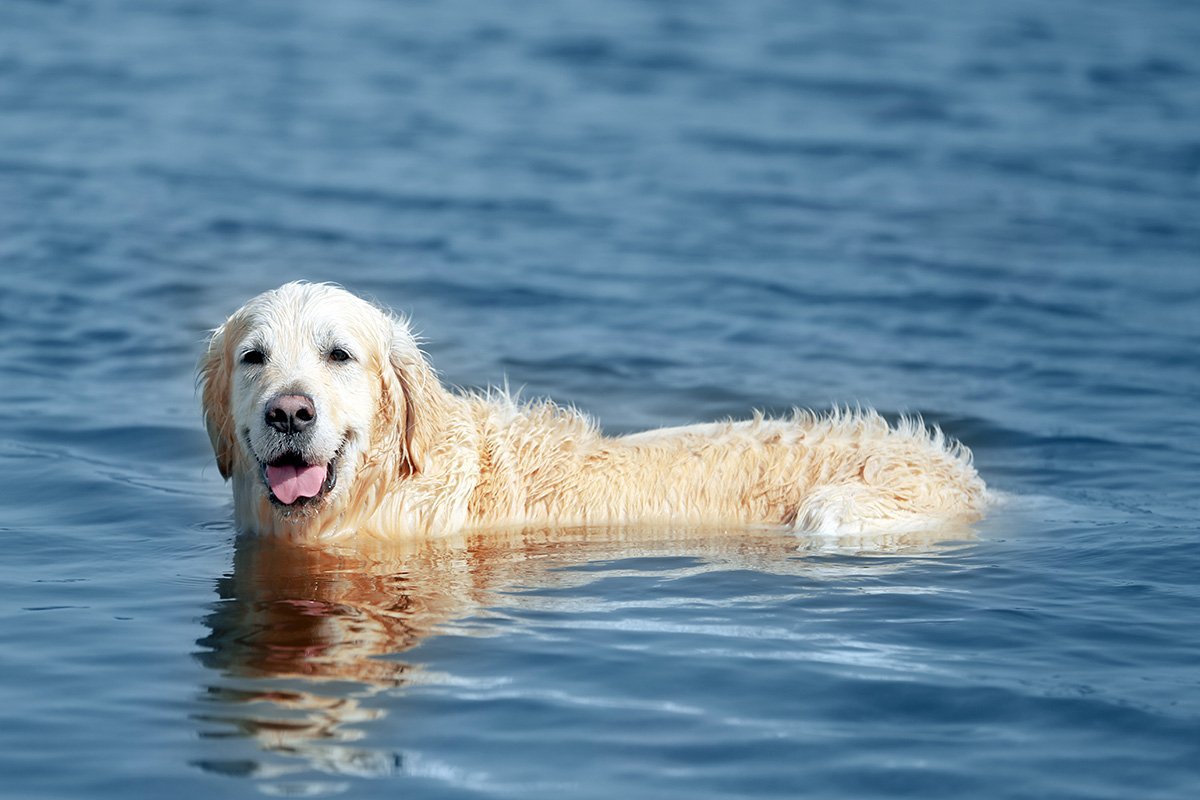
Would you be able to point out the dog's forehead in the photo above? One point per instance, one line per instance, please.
(309, 314)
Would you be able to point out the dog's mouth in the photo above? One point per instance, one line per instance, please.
(293, 481)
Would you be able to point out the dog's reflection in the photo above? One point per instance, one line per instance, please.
(303, 636)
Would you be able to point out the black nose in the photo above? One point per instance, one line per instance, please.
(291, 413)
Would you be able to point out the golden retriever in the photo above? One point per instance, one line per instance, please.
(329, 420)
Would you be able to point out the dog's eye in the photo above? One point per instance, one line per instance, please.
(253, 357)
(338, 354)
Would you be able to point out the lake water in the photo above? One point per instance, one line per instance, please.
(661, 212)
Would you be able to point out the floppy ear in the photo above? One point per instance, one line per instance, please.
(412, 402)
(215, 376)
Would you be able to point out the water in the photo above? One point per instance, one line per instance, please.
(663, 213)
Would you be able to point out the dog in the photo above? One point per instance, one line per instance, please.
(329, 420)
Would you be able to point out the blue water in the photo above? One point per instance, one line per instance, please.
(661, 212)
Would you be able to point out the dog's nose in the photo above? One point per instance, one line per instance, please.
(291, 413)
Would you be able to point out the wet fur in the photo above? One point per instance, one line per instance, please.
(421, 460)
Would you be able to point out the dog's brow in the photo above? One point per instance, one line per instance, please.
(253, 341)
(329, 338)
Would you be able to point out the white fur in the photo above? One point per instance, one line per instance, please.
(417, 460)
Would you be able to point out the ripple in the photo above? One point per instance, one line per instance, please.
(664, 213)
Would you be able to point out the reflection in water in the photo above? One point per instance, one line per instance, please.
(303, 637)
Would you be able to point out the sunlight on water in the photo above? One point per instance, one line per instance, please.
(305, 640)
(664, 213)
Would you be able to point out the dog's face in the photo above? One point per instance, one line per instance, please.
(301, 386)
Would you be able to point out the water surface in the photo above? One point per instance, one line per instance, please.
(988, 214)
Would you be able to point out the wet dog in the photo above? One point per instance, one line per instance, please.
(328, 419)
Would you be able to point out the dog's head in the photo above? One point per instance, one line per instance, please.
(307, 390)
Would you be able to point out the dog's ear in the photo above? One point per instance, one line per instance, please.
(215, 376)
(411, 402)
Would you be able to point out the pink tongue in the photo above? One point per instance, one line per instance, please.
(289, 483)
